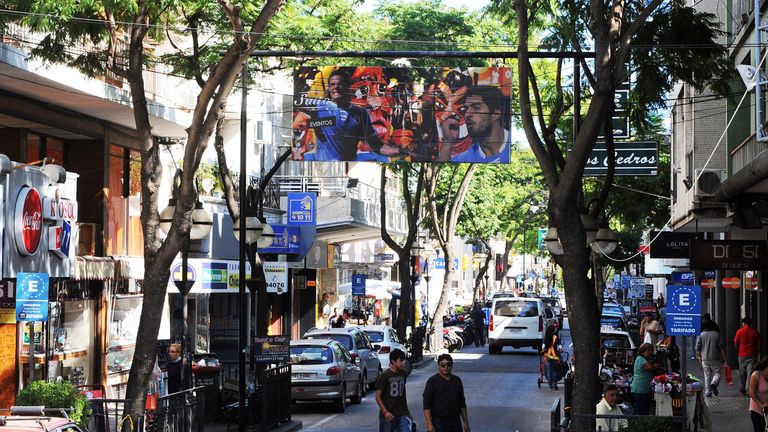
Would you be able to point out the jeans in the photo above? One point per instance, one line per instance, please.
(447, 425)
(550, 371)
(746, 365)
(399, 424)
(642, 403)
(758, 421)
(712, 370)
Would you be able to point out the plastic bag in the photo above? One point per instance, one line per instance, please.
(728, 376)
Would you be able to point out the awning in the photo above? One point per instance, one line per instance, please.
(94, 268)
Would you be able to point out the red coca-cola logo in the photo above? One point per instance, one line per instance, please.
(28, 219)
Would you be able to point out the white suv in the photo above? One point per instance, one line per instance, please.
(516, 322)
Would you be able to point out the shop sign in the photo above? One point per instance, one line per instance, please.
(32, 297)
(731, 283)
(750, 283)
(7, 302)
(286, 241)
(28, 221)
(60, 209)
(682, 278)
(683, 310)
(667, 244)
(632, 158)
(729, 254)
(59, 239)
(215, 275)
(301, 208)
(271, 349)
(276, 276)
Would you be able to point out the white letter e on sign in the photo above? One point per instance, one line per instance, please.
(684, 299)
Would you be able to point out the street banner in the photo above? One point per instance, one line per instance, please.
(271, 349)
(683, 310)
(633, 158)
(32, 296)
(729, 254)
(389, 114)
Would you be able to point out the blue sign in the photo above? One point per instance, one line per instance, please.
(682, 278)
(617, 282)
(286, 240)
(301, 208)
(32, 297)
(626, 281)
(215, 275)
(440, 263)
(683, 310)
(358, 284)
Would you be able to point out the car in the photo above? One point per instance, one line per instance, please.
(617, 348)
(614, 307)
(35, 419)
(554, 303)
(614, 321)
(323, 369)
(359, 346)
(385, 340)
(516, 322)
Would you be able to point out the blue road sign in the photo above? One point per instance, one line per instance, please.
(358, 284)
(682, 278)
(626, 281)
(683, 310)
(301, 208)
(32, 297)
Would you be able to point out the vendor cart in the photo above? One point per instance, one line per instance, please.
(564, 360)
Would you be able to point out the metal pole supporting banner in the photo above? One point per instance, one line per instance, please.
(243, 322)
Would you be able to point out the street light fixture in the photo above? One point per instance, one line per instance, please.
(201, 226)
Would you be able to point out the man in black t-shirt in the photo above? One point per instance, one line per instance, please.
(444, 403)
(390, 396)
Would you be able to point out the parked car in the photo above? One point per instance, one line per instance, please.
(554, 303)
(356, 341)
(36, 418)
(384, 339)
(617, 348)
(323, 369)
(516, 322)
(613, 321)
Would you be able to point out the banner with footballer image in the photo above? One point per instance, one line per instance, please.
(387, 114)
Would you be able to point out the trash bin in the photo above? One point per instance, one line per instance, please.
(206, 371)
(417, 343)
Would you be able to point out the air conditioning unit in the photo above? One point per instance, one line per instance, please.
(707, 181)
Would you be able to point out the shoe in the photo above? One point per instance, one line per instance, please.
(554, 387)
(742, 391)
(709, 394)
(714, 390)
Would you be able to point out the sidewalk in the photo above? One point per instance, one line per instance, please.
(729, 410)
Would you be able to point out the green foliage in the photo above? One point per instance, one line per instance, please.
(56, 395)
(649, 424)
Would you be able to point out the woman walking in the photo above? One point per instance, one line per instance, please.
(551, 350)
(758, 394)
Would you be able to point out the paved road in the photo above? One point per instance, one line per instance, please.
(501, 390)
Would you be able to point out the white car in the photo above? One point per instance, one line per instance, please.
(516, 322)
(385, 338)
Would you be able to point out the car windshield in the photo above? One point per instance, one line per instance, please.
(615, 342)
(345, 340)
(311, 355)
(613, 308)
(516, 308)
(375, 336)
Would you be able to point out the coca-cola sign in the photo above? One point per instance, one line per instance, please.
(28, 221)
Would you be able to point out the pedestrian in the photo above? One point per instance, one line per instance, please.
(747, 343)
(178, 378)
(607, 406)
(642, 375)
(391, 398)
(444, 402)
(487, 321)
(649, 329)
(758, 395)
(478, 320)
(710, 352)
(551, 349)
(672, 360)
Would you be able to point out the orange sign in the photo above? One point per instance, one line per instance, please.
(731, 283)
(750, 283)
(707, 283)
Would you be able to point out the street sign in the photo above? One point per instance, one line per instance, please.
(301, 208)
(667, 244)
(276, 277)
(285, 241)
(637, 288)
(683, 310)
(633, 158)
(358, 284)
(32, 296)
(177, 275)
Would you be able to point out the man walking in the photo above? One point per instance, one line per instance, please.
(390, 396)
(478, 320)
(444, 403)
(747, 343)
(649, 329)
(710, 352)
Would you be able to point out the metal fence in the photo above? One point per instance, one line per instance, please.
(183, 411)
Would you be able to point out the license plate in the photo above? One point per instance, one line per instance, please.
(515, 330)
(302, 376)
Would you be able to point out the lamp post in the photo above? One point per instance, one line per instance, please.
(201, 226)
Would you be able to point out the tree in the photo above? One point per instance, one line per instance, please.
(619, 32)
(102, 25)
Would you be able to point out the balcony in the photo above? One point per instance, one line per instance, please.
(348, 209)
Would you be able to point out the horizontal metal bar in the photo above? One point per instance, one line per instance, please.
(423, 54)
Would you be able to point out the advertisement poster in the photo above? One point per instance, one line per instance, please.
(271, 349)
(388, 114)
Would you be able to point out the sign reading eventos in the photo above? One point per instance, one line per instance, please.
(32, 297)
(683, 310)
(376, 114)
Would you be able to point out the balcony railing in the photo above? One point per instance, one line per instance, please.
(745, 152)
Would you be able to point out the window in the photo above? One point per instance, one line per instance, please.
(123, 201)
(259, 131)
(516, 308)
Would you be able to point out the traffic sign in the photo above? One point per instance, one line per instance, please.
(683, 310)
(32, 297)
(358, 284)
(177, 277)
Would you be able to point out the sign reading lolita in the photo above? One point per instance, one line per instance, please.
(386, 114)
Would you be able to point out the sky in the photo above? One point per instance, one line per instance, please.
(471, 5)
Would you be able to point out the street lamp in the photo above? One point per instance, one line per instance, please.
(201, 226)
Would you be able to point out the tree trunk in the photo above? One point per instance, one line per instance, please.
(405, 309)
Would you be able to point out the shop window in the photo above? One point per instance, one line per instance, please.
(123, 200)
(124, 325)
(71, 327)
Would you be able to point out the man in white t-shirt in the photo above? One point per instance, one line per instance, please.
(607, 406)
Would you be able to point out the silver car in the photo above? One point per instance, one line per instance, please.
(358, 345)
(385, 340)
(322, 369)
